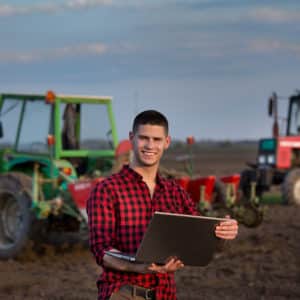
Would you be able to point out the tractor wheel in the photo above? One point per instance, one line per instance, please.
(251, 216)
(15, 215)
(291, 187)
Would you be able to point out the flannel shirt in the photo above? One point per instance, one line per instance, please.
(119, 210)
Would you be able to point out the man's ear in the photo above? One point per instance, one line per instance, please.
(131, 134)
(168, 142)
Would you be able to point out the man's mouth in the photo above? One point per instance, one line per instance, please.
(149, 154)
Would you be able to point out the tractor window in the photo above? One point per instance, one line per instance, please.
(95, 129)
(35, 127)
(294, 126)
(85, 126)
(9, 116)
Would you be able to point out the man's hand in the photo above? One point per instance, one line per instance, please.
(171, 266)
(227, 230)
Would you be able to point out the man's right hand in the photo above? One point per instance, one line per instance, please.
(171, 266)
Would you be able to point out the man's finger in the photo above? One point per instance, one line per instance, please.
(156, 268)
(177, 264)
(226, 234)
(226, 231)
(230, 221)
(172, 266)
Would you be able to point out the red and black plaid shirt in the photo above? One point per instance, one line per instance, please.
(119, 210)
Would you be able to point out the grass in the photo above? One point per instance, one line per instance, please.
(271, 199)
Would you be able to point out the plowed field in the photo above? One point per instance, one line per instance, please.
(262, 263)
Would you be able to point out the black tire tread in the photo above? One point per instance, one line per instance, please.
(21, 184)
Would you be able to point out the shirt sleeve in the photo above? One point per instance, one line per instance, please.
(101, 220)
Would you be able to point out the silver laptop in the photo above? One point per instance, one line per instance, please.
(190, 238)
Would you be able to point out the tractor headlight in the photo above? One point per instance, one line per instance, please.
(262, 159)
(271, 159)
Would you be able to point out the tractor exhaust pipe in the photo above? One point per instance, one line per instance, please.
(273, 111)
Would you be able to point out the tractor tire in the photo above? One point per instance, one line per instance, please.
(252, 216)
(15, 215)
(291, 187)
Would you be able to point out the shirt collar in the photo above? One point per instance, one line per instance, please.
(132, 174)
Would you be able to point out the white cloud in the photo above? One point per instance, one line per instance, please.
(272, 15)
(53, 54)
(7, 10)
(78, 4)
(271, 46)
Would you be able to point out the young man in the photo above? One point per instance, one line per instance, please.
(121, 207)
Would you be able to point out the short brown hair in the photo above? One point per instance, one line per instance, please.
(150, 117)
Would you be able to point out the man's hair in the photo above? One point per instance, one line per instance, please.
(150, 117)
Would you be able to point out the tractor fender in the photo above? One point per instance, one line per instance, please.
(17, 163)
(80, 191)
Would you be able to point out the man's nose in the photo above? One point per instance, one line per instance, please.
(150, 144)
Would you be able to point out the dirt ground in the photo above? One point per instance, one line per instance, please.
(262, 263)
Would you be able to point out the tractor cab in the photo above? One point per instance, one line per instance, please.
(293, 121)
(76, 129)
(293, 115)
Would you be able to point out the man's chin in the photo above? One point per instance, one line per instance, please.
(148, 163)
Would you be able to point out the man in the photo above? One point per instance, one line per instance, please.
(121, 207)
(69, 140)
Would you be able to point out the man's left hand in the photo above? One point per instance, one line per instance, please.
(227, 230)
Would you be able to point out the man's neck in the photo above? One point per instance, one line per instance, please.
(149, 175)
(147, 172)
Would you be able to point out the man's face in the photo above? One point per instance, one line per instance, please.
(149, 143)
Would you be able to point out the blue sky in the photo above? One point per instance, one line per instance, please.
(209, 65)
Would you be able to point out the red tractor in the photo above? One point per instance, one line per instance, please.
(278, 159)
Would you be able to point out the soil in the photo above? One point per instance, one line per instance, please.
(262, 263)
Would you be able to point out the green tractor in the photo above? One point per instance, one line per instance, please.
(53, 149)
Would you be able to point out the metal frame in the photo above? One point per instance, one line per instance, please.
(58, 151)
(292, 99)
